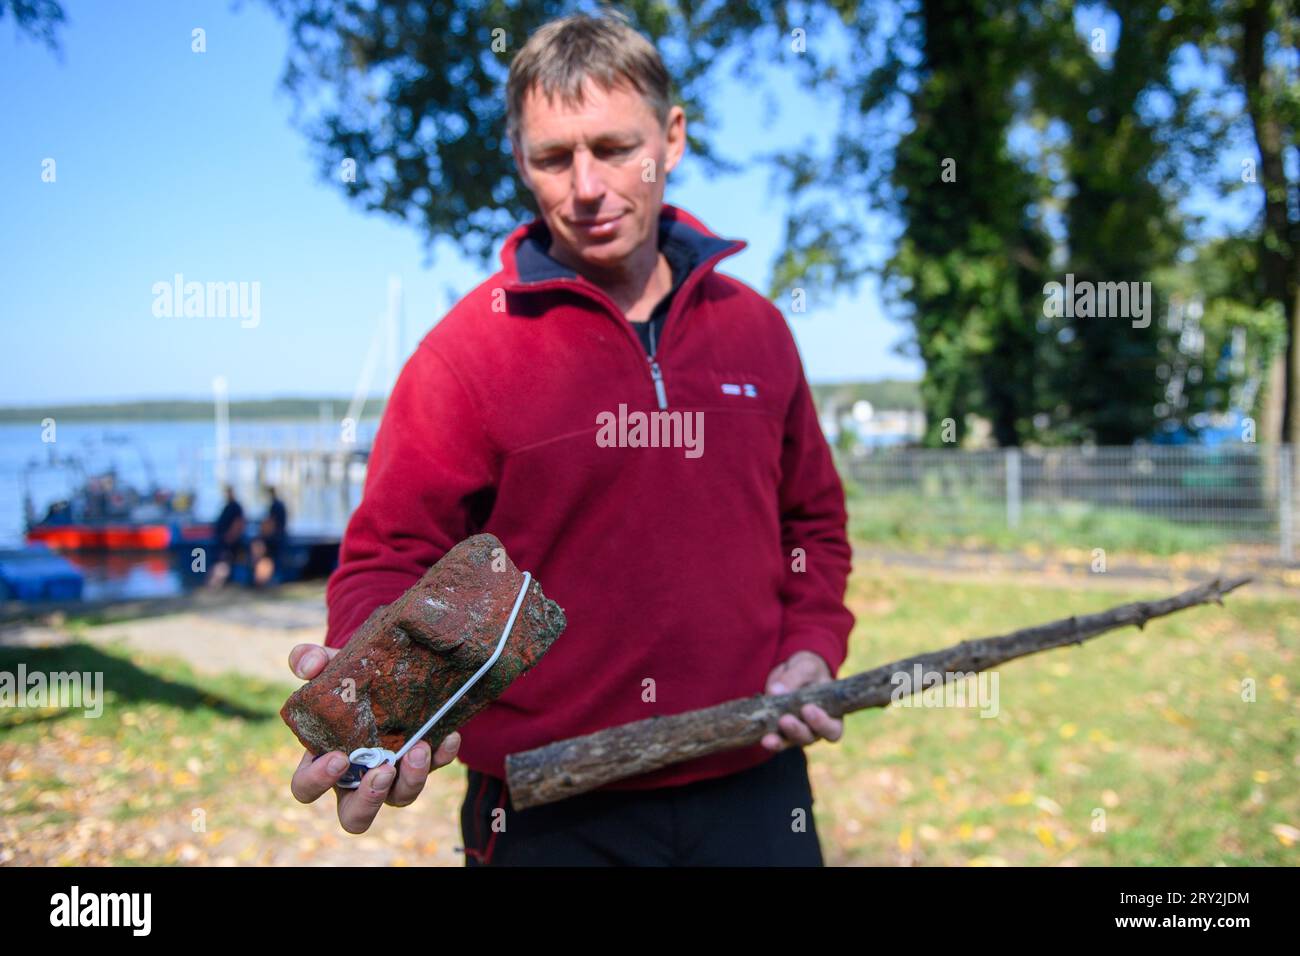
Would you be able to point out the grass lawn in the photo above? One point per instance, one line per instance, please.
(1135, 749)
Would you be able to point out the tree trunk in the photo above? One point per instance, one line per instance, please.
(1279, 255)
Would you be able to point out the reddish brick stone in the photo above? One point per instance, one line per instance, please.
(409, 657)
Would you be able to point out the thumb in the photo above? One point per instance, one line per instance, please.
(780, 680)
(801, 669)
(308, 660)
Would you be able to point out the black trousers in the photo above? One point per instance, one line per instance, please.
(758, 817)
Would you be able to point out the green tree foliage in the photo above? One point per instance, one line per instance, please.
(1258, 42)
(969, 264)
(1108, 141)
(1121, 216)
(1006, 143)
(412, 93)
(971, 259)
(39, 19)
(1222, 333)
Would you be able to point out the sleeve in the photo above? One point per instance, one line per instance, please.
(813, 519)
(431, 457)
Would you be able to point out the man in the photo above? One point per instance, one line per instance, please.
(705, 565)
(268, 547)
(228, 538)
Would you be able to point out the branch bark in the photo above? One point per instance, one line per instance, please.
(566, 768)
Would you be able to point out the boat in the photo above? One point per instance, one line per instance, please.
(104, 514)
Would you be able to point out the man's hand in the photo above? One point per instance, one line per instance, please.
(357, 808)
(803, 668)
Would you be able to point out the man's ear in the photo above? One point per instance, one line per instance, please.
(675, 134)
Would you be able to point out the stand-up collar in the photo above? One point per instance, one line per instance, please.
(526, 260)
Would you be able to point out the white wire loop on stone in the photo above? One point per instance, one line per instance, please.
(367, 758)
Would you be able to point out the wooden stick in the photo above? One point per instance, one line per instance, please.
(579, 764)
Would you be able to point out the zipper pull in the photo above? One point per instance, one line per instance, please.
(658, 376)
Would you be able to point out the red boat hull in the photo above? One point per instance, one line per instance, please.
(108, 537)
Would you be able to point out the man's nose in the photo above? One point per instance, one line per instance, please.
(588, 186)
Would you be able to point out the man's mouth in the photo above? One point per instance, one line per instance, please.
(599, 226)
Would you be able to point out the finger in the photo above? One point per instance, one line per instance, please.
(308, 660)
(775, 742)
(447, 751)
(822, 723)
(415, 769)
(411, 776)
(315, 776)
(357, 808)
(795, 730)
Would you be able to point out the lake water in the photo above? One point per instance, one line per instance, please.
(176, 455)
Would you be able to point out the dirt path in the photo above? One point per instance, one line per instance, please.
(249, 635)
(1074, 569)
(248, 638)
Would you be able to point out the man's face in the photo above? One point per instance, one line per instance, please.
(597, 171)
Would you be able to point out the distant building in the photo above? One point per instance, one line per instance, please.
(860, 424)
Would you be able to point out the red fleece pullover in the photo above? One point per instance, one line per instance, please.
(687, 572)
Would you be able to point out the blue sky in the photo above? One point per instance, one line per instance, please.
(172, 162)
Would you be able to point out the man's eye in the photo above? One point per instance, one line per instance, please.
(548, 162)
(613, 152)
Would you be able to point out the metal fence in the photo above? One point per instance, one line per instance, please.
(1239, 493)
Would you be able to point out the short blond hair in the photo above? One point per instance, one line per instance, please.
(561, 54)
